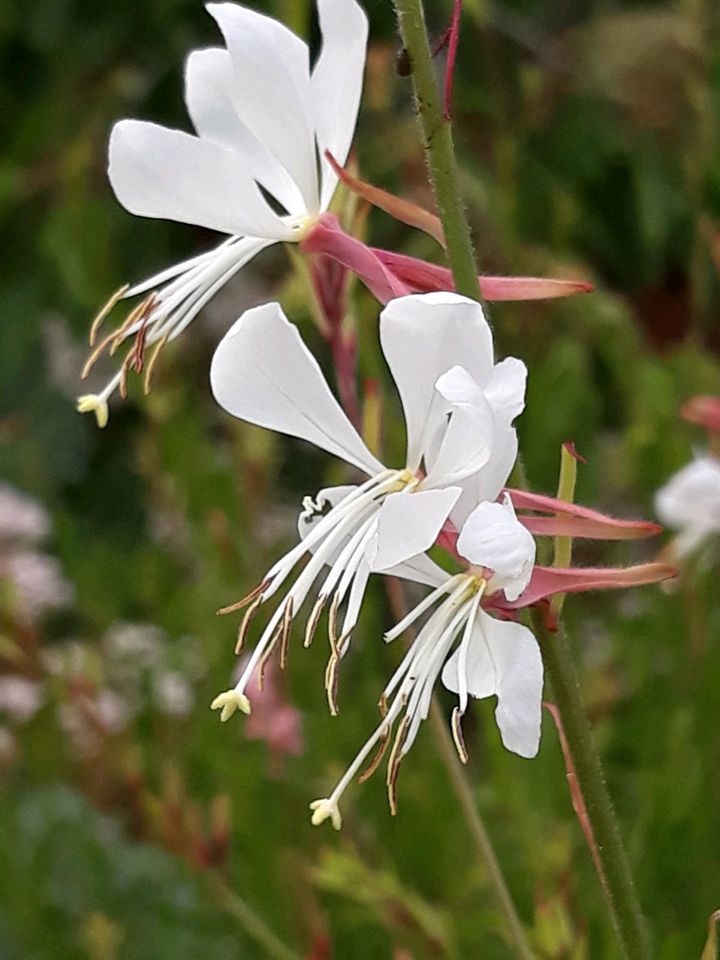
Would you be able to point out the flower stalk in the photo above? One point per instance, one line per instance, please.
(620, 891)
(439, 149)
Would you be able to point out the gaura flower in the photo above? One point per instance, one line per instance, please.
(463, 641)
(690, 503)
(458, 406)
(475, 653)
(256, 170)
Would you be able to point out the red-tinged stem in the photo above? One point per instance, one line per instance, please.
(453, 40)
(329, 280)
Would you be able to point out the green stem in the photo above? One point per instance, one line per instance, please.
(439, 150)
(618, 883)
(622, 898)
(250, 922)
(478, 832)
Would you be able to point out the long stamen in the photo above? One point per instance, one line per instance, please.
(394, 762)
(447, 587)
(248, 598)
(246, 622)
(285, 632)
(103, 313)
(152, 363)
(314, 619)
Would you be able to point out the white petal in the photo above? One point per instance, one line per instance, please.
(691, 498)
(336, 83)
(209, 95)
(272, 90)
(408, 524)
(262, 372)
(419, 569)
(505, 391)
(156, 172)
(467, 445)
(504, 659)
(422, 336)
(487, 483)
(493, 537)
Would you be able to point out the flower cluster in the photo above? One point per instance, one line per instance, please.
(272, 136)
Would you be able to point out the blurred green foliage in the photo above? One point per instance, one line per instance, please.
(588, 141)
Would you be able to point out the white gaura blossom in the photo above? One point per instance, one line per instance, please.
(476, 654)
(458, 406)
(256, 171)
(690, 503)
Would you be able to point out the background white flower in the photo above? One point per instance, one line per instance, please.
(690, 503)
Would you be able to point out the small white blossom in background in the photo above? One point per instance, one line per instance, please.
(20, 697)
(38, 583)
(137, 644)
(22, 519)
(690, 503)
(264, 121)
(173, 694)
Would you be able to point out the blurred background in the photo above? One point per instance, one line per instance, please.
(130, 821)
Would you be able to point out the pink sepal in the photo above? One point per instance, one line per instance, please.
(547, 581)
(703, 410)
(577, 521)
(326, 236)
(423, 277)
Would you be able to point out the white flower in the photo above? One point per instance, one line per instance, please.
(263, 373)
(22, 519)
(491, 657)
(256, 170)
(37, 582)
(690, 502)
(20, 698)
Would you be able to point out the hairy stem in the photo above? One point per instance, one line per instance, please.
(439, 150)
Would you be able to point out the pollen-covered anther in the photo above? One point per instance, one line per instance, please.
(229, 703)
(103, 313)
(285, 632)
(246, 623)
(248, 598)
(394, 761)
(377, 759)
(458, 738)
(314, 619)
(325, 810)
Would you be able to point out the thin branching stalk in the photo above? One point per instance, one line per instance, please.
(463, 791)
(622, 898)
(250, 922)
